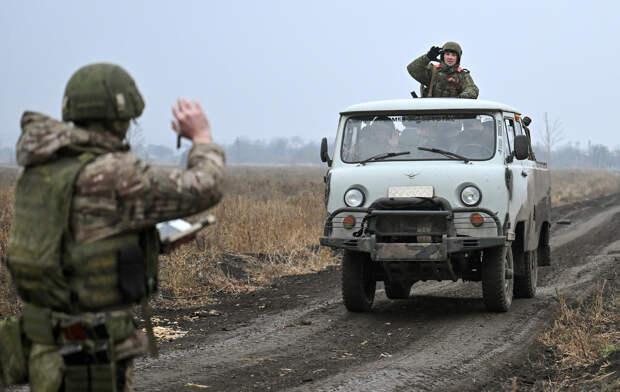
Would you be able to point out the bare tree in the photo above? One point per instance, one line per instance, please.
(554, 134)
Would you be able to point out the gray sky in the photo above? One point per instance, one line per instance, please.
(286, 68)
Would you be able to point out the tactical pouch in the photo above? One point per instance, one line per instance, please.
(13, 352)
(76, 378)
(91, 378)
(131, 273)
(103, 377)
(38, 325)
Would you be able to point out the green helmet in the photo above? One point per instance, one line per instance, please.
(453, 47)
(101, 91)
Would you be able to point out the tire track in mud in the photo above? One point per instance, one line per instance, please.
(438, 339)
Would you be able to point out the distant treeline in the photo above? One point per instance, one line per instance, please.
(298, 151)
(573, 155)
(275, 151)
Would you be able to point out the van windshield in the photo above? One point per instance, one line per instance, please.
(467, 135)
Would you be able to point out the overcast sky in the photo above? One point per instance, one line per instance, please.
(286, 68)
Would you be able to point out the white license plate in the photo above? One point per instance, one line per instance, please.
(411, 191)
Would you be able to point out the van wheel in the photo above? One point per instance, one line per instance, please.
(396, 289)
(358, 282)
(526, 275)
(497, 278)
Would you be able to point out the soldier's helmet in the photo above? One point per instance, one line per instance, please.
(101, 91)
(453, 47)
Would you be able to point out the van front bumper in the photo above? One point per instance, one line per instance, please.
(435, 251)
(372, 239)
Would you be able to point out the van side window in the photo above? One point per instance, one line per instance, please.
(510, 133)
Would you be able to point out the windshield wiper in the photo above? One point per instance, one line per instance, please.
(383, 155)
(448, 154)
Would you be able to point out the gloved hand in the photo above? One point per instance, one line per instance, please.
(433, 53)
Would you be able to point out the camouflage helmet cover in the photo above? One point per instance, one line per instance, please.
(101, 91)
(453, 47)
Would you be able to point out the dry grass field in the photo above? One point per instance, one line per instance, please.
(268, 226)
(571, 185)
(584, 342)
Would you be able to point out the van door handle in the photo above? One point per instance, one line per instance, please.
(524, 173)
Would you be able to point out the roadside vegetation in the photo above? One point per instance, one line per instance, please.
(268, 226)
(572, 185)
(580, 351)
(585, 342)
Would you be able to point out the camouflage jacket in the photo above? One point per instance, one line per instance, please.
(451, 81)
(118, 191)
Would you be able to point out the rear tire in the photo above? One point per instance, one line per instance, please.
(544, 249)
(526, 275)
(397, 290)
(358, 281)
(497, 279)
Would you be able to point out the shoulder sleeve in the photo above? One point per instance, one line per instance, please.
(119, 191)
(470, 90)
(419, 70)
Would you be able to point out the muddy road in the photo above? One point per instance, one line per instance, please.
(297, 335)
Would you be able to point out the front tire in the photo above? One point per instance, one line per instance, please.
(497, 278)
(526, 275)
(358, 281)
(396, 289)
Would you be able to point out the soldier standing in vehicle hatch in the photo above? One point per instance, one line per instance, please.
(83, 247)
(446, 79)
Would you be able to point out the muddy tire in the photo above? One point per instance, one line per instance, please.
(526, 275)
(397, 290)
(358, 281)
(497, 278)
(544, 249)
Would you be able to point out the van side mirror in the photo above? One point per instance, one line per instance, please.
(324, 154)
(526, 121)
(522, 147)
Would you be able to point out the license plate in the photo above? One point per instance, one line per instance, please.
(411, 191)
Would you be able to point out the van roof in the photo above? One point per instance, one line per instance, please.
(430, 104)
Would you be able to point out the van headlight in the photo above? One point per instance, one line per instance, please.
(471, 196)
(354, 197)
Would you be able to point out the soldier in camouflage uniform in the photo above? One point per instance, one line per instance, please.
(446, 79)
(83, 247)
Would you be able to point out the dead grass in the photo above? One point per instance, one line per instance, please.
(584, 337)
(584, 332)
(571, 185)
(268, 226)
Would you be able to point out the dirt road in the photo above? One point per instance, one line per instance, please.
(297, 336)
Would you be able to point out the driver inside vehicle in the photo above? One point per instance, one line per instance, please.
(476, 140)
(378, 137)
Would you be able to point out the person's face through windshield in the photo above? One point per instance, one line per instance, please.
(383, 133)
